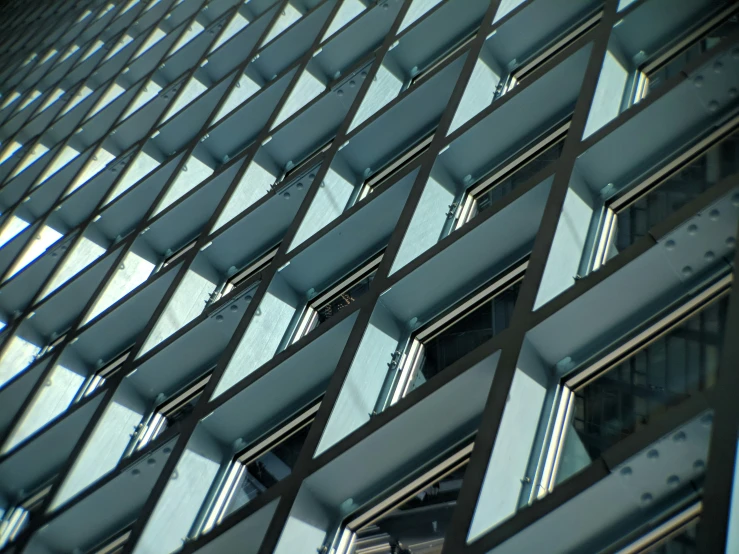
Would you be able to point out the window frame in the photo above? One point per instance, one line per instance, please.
(309, 162)
(377, 508)
(395, 166)
(13, 520)
(670, 527)
(214, 511)
(647, 183)
(309, 318)
(468, 206)
(522, 71)
(171, 258)
(230, 284)
(645, 71)
(448, 54)
(413, 356)
(115, 543)
(97, 379)
(157, 421)
(559, 424)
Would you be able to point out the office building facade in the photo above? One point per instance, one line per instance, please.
(369, 276)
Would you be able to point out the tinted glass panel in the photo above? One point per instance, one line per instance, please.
(623, 400)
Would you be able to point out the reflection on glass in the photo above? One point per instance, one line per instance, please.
(671, 531)
(620, 401)
(16, 518)
(683, 542)
(169, 413)
(412, 517)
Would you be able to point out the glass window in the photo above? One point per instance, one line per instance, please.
(395, 166)
(303, 166)
(171, 257)
(168, 413)
(606, 400)
(98, 378)
(414, 518)
(630, 213)
(504, 178)
(455, 332)
(263, 463)
(16, 518)
(540, 57)
(242, 276)
(671, 59)
(447, 54)
(337, 297)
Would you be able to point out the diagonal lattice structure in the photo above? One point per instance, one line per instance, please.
(352, 276)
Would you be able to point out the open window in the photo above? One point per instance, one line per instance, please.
(337, 297)
(167, 413)
(632, 211)
(452, 334)
(395, 166)
(253, 470)
(542, 151)
(672, 58)
(617, 393)
(524, 70)
(414, 518)
(17, 517)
